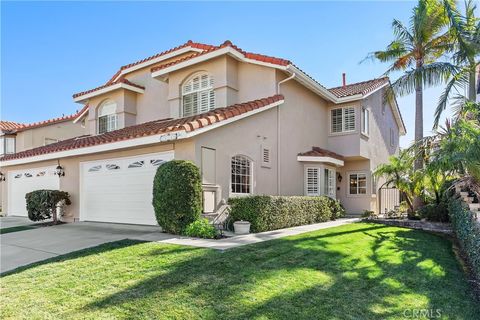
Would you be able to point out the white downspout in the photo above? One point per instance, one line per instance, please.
(278, 132)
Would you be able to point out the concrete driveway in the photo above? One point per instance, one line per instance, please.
(29, 246)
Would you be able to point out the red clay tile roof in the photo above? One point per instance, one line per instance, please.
(362, 88)
(319, 152)
(189, 43)
(121, 80)
(248, 55)
(12, 127)
(187, 124)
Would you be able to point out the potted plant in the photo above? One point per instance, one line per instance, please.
(241, 227)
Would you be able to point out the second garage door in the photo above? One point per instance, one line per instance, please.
(120, 190)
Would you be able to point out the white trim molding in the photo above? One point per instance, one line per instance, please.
(331, 160)
(108, 89)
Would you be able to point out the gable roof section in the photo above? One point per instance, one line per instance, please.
(10, 125)
(120, 83)
(363, 88)
(13, 127)
(248, 55)
(319, 152)
(176, 128)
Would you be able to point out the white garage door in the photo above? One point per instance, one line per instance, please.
(120, 190)
(22, 182)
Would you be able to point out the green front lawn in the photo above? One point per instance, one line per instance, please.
(15, 229)
(357, 271)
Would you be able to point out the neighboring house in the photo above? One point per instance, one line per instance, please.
(16, 137)
(253, 124)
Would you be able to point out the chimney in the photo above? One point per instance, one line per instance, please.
(344, 79)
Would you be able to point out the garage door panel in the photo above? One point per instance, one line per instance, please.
(22, 182)
(120, 190)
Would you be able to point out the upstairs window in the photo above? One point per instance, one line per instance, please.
(7, 145)
(107, 117)
(198, 95)
(365, 121)
(342, 120)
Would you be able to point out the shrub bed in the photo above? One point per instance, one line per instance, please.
(467, 231)
(267, 213)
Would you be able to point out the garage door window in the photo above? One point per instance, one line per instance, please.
(136, 164)
(112, 167)
(157, 162)
(95, 169)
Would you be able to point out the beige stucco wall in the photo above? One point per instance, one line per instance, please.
(35, 137)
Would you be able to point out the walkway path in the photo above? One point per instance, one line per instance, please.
(237, 241)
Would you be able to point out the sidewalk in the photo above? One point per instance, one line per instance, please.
(241, 240)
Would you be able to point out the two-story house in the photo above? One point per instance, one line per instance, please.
(253, 124)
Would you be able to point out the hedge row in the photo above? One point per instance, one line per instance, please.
(267, 213)
(467, 231)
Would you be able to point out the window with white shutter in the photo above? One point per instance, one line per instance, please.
(198, 95)
(312, 181)
(342, 120)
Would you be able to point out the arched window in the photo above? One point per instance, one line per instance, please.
(198, 95)
(241, 175)
(107, 117)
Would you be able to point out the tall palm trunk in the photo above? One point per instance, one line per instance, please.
(472, 85)
(417, 201)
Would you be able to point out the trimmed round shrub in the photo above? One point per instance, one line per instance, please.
(201, 229)
(42, 204)
(177, 195)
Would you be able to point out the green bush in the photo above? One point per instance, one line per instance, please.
(177, 195)
(276, 212)
(42, 204)
(201, 229)
(467, 231)
(434, 212)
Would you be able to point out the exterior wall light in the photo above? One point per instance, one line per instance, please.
(340, 177)
(2, 176)
(59, 171)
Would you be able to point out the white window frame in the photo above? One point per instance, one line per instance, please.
(110, 117)
(343, 118)
(324, 187)
(251, 175)
(318, 170)
(392, 137)
(367, 184)
(5, 145)
(203, 93)
(365, 121)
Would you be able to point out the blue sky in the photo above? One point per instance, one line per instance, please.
(50, 50)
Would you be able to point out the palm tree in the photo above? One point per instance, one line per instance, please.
(465, 30)
(399, 173)
(416, 51)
